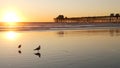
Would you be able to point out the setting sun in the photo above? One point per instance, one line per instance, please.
(11, 17)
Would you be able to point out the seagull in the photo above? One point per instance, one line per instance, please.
(38, 48)
(19, 46)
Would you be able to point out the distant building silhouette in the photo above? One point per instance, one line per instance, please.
(112, 18)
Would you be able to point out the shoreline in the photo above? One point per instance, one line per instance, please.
(58, 26)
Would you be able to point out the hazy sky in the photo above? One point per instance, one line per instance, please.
(46, 10)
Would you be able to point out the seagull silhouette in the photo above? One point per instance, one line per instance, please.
(38, 48)
(19, 46)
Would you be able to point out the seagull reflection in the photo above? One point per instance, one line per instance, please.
(19, 51)
(61, 33)
(37, 54)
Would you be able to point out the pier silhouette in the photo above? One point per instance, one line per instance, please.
(112, 18)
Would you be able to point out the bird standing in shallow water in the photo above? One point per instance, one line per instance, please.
(19, 46)
(38, 48)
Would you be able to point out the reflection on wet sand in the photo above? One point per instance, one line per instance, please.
(61, 33)
(38, 54)
(36, 49)
(115, 32)
(19, 51)
(77, 48)
(11, 35)
(92, 32)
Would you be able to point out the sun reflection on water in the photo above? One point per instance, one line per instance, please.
(11, 35)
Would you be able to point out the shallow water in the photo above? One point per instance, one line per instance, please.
(60, 49)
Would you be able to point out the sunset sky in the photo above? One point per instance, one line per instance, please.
(46, 10)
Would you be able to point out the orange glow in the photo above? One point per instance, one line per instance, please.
(11, 35)
(11, 16)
